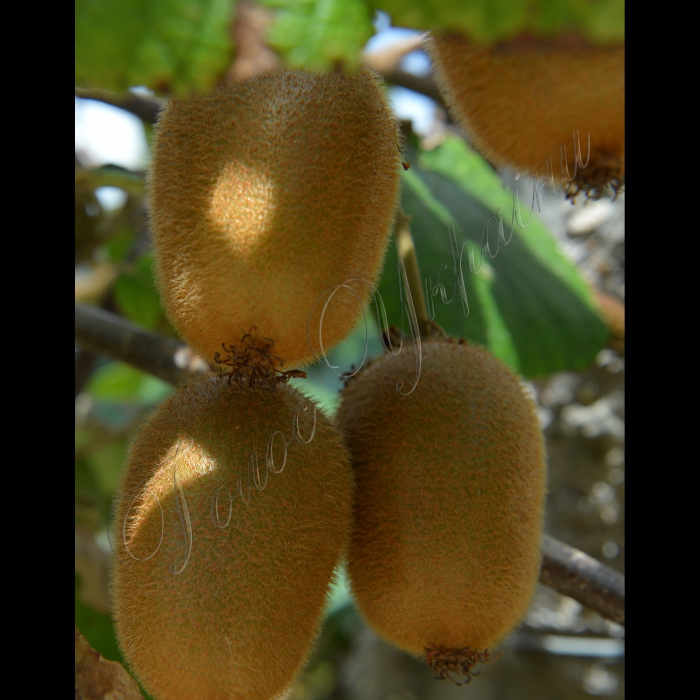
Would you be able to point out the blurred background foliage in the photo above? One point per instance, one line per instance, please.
(532, 303)
(179, 46)
(489, 21)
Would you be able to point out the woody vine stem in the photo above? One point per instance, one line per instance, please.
(406, 250)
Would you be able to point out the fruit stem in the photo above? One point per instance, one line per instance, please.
(407, 252)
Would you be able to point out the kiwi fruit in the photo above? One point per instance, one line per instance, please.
(266, 193)
(236, 508)
(522, 101)
(444, 555)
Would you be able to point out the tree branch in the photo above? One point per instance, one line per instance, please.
(110, 176)
(424, 86)
(105, 333)
(564, 568)
(145, 107)
(406, 251)
(386, 62)
(583, 578)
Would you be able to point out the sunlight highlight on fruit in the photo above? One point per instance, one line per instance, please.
(264, 194)
(236, 509)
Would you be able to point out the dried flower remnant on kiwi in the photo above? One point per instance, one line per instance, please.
(445, 661)
(449, 600)
(221, 168)
(606, 171)
(253, 364)
(523, 100)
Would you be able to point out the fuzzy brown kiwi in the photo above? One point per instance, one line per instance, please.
(521, 101)
(264, 194)
(219, 592)
(445, 549)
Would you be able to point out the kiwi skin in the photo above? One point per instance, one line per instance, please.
(264, 194)
(445, 548)
(522, 100)
(239, 621)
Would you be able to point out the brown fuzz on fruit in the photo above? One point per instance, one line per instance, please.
(445, 548)
(236, 508)
(266, 193)
(522, 102)
(253, 364)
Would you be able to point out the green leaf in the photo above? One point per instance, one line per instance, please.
(137, 300)
(317, 34)
(489, 21)
(119, 245)
(96, 478)
(177, 46)
(136, 295)
(528, 303)
(106, 464)
(97, 628)
(323, 384)
(118, 382)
